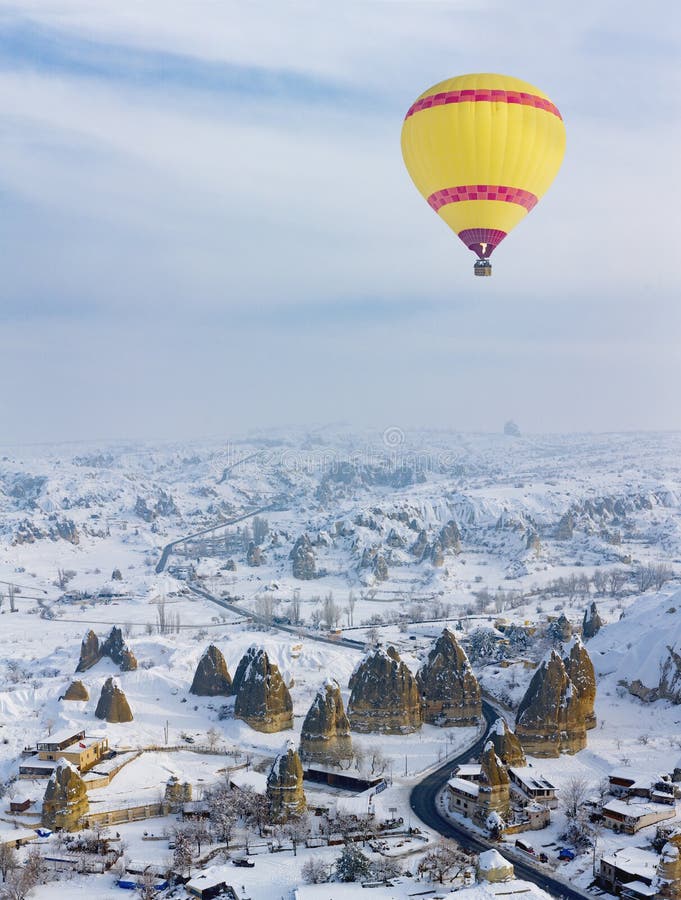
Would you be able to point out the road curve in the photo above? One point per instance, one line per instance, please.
(168, 549)
(423, 804)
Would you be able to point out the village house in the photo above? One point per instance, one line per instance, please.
(463, 796)
(81, 751)
(527, 782)
(208, 885)
(468, 772)
(631, 817)
(629, 872)
(625, 783)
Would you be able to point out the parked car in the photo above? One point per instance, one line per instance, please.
(243, 862)
(566, 853)
(526, 848)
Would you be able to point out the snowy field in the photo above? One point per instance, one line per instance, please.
(83, 529)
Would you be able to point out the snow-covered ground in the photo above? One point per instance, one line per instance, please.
(530, 511)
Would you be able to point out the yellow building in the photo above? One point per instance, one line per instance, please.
(81, 751)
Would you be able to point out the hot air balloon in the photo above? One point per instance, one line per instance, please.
(483, 149)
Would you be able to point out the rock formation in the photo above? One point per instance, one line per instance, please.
(116, 649)
(325, 736)
(76, 691)
(285, 785)
(420, 545)
(263, 700)
(177, 792)
(561, 629)
(449, 689)
(506, 744)
(380, 569)
(303, 561)
(592, 622)
(550, 718)
(668, 879)
(211, 678)
(494, 787)
(450, 537)
(65, 800)
(242, 666)
(565, 528)
(91, 651)
(580, 671)
(113, 704)
(385, 696)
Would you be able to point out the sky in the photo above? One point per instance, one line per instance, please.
(207, 225)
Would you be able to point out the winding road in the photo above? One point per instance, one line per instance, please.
(423, 802)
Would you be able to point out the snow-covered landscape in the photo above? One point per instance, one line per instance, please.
(316, 547)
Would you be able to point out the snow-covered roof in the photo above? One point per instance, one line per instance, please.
(637, 779)
(467, 769)
(636, 810)
(531, 778)
(10, 835)
(488, 890)
(466, 787)
(492, 859)
(641, 888)
(633, 860)
(205, 880)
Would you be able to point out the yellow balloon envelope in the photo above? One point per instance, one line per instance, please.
(483, 149)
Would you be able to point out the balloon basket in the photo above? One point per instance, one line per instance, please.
(482, 267)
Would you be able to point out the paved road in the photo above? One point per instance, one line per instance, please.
(168, 549)
(423, 804)
(290, 629)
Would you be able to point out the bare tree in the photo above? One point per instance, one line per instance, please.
(161, 615)
(314, 871)
(297, 829)
(617, 578)
(295, 607)
(260, 530)
(331, 612)
(350, 608)
(444, 860)
(222, 810)
(183, 854)
(600, 580)
(8, 860)
(213, 738)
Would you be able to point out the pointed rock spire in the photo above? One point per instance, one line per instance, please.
(113, 704)
(263, 701)
(325, 736)
(450, 691)
(506, 744)
(385, 696)
(211, 678)
(550, 719)
(285, 785)
(65, 800)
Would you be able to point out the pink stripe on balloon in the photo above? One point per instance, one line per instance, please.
(483, 192)
(485, 96)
